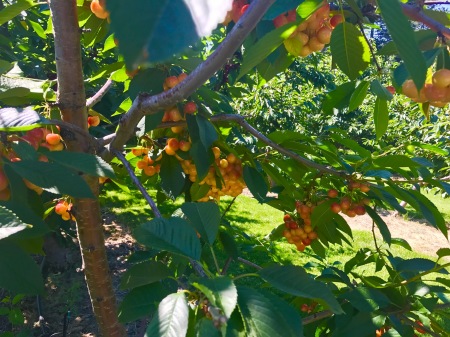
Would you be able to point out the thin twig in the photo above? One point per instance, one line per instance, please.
(415, 13)
(249, 263)
(145, 104)
(415, 325)
(226, 266)
(138, 184)
(317, 317)
(99, 95)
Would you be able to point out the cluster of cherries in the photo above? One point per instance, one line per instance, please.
(312, 34)
(299, 230)
(437, 93)
(353, 203)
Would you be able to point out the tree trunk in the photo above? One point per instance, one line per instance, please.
(72, 104)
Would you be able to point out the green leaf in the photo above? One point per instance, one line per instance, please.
(141, 302)
(279, 7)
(401, 242)
(255, 183)
(417, 265)
(268, 70)
(339, 98)
(198, 191)
(443, 252)
(11, 11)
(381, 117)
(401, 32)
(266, 315)
(204, 217)
(380, 90)
(143, 30)
(205, 328)
(84, 162)
(52, 177)
(358, 95)
(350, 50)
(148, 81)
(171, 319)
(366, 299)
(174, 235)
(296, 281)
(144, 273)
(9, 223)
(425, 39)
(172, 176)
(384, 230)
(220, 291)
(202, 158)
(19, 273)
(395, 161)
(359, 325)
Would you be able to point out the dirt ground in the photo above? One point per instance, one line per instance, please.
(67, 292)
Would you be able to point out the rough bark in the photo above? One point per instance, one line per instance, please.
(72, 103)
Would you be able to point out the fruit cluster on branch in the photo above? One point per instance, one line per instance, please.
(299, 230)
(352, 202)
(312, 34)
(437, 93)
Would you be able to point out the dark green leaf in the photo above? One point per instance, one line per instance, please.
(339, 98)
(205, 328)
(19, 273)
(383, 228)
(350, 50)
(359, 325)
(266, 315)
(220, 291)
(380, 90)
(52, 177)
(401, 242)
(417, 265)
(366, 299)
(144, 273)
(172, 176)
(443, 252)
(255, 183)
(395, 161)
(141, 302)
(204, 217)
(174, 235)
(403, 35)
(84, 162)
(296, 281)
(149, 81)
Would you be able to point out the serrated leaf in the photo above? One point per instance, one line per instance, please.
(395, 161)
(366, 299)
(142, 28)
(204, 217)
(401, 32)
(147, 81)
(9, 12)
(255, 183)
(443, 252)
(198, 191)
(9, 223)
(84, 162)
(296, 281)
(417, 265)
(141, 302)
(174, 235)
(144, 273)
(205, 328)
(380, 90)
(19, 273)
(358, 95)
(172, 176)
(220, 291)
(384, 230)
(350, 50)
(171, 319)
(381, 117)
(52, 177)
(266, 315)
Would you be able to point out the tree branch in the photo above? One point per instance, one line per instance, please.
(147, 105)
(415, 13)
(317, 317)
(99, 95)
(138, 184)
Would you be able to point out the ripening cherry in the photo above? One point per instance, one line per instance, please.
(216, 152)
(336, 19)
(364, 188)
(332, 193)
(324, 35)
(61, 207)
(150, 171)
(441, 78)
(190, 108)
(182, 77)
(3, 180)
(223, 163)
(173, 144)
(170, 82)
(99, 9)
(177, 129)
(359, 210)
(93, 120)
(53, 138)
(185, 145)
(345, 204)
